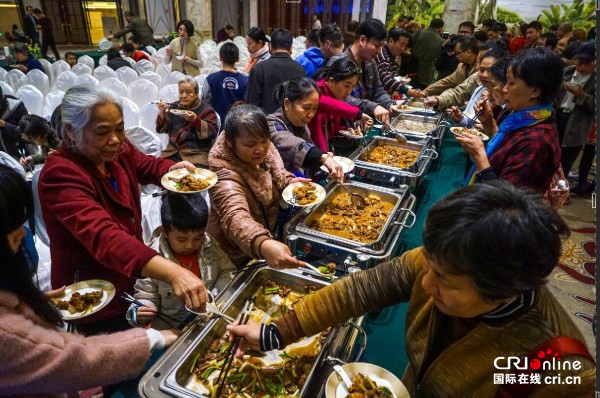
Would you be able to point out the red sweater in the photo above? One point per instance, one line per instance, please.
(93, 228)
(328, 117)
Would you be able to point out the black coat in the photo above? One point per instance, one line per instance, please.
(117, 63)
(10, 137)
(266, 75)
(29, 26)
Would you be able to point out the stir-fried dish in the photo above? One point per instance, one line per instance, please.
(391, 155)
(278, 374)
(81, 302)
(189, 183)
(413, 126)
(328, 268)
(464, 130)
(344, 219)
(305, 194)
(363, 387)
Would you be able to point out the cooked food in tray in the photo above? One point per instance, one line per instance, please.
(328, 268)
(81, 302)
(305, 194)
(363, 387)
(275, 373)
(344, 219)
(391, 155)
(414, 126)
(189, 183)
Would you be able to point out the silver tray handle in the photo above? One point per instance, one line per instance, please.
(430, 153)
(444, 123)
(361, 350)
(403, 223)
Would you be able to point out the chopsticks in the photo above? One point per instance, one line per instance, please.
(23, 154)
(245, 316)
(474, 119)
(129, 298)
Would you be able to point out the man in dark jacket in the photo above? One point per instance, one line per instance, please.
(45, 25)
(427, 47)
(114, 59)
(277, 69)
(29, 26)
(138, 27)
(447, 62)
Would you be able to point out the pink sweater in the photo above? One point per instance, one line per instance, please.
(37, 360)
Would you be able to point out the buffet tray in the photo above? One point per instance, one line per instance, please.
(436, 133)
(170, 375)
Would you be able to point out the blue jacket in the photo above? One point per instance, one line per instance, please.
(32, 63)
(311, 60)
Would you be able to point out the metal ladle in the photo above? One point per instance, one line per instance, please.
(355, 198)
(390, 130)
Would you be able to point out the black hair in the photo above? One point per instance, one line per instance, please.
(56, 121)
(112, 53)
(497, 27)
(571, 49)
(551, 40)
(371, 29)
(523, 28)
(480, 35)
(504, 27)
(230, 53)
(16, 207)
(498, 70)
(229, 27)
(540, 68)
(189, 26)
(497, 43)
(591, 34)
(504, 238)
(313, 37)
(535, 25)
(496, 52)
(134, 40)
(332, 33)
(469, 24)
(186, 213)
(341, 69)
(553, 27)
(436, 23)
(281, 39)
(294, 90)
(69, 53)
(248, 118)
(257, 34)
(127, 48)
(468, 43)
(395, 34)
(488, 22)
(33, 126)
(21, 48)
(352, 26)
(37, 11)
(3, 102)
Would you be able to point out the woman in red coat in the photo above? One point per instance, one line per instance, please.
(89, 193)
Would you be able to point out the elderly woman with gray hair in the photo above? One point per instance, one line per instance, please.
(89, 192)
(190, 124)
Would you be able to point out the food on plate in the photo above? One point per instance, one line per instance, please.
(413, 126)
(81, 302)
(355, 132)
(328, 268)
(178, 111)
(305, 194)
(391, 155)
(464, 130)
(363, 387)
(189, 183)
(344, 219)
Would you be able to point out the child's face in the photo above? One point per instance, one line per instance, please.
(71, 60)
(184, 243)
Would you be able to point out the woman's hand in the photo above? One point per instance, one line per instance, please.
(163, 107)
(278, 255)
(382, 114)
(185, 59)
(189, 116)
(183, 165)
(455, 114)
(145, 315)
(2, 123)
(366, 121)
(250, 334)
(25, 160)
(486, 117)
(300, 179)
(170, 335)
(473, 145)
(431, 102)
(190, 289)
(335, 169)
(56, 293)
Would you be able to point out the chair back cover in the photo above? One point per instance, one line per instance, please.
(39, 80)
(115, 86)
(103, 60)
(173, 77)
(143, 65)
(150, 50)
(32, 98)
(15, 78)
(169, 93)
(40, 226)
(104, 72)
(163, 70)
(52, 100)
(7, 160)
(153, 77)
(47, 68)
(148, 114)
(126, 75)
(131, 113)
(86, 80)
(81, 69)
(6, 88)
(86, 60)
(3, 74)
(58, 67)
(142, 91)
(65, 81)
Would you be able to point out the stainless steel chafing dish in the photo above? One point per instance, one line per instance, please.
(170, 376)
(436, 133)
(304, 240)
(418, 103)
(394, 176)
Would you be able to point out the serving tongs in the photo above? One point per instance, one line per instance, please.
(389, 130)
(211, 308)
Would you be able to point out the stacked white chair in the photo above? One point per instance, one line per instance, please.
(15, 78)
(173, 77)
(86, 80)
(6, 88)
(32, 98)
(169, 93)
(115, 86)
(103, 60)
(153, 77)
(151, 50)
(148, 114)
(39, 80)
(143, 65)
(142, 91)
(104, 72)
(81, 69)
(131, 113)
(86, 60)
(65, 81)
(126, 75)
(52, 100)
(58, 67)
(47, 68)
(3, 74)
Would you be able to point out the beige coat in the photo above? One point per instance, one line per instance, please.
(460, 75)
(192, 67)
(245, 201)
(460, 94)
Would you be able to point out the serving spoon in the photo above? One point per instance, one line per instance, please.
(390, 130)
(355, 198)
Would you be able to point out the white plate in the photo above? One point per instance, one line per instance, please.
(346, 133)
(288, 195)
(83, 287)
(178, 112)
(203, 174)
(382, 377)
(105, 44)
(456, 131)
(347, 164)
(180, 57)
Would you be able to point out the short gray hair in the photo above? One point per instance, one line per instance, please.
(190, 80)
(77, 106)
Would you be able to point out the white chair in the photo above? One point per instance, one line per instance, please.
(153, 77)
(115, 86)
(144, 140)
(3, 74)
(130, 60)
(201, 79)
(39, 80)
(169, 93)
(162, 53)
(104, 72)
(148, 114)
(142, 91)
(143, 65)
(15, 78)
(40, 226)
(7, 160)
(131, 113)
(173, 77)
(163, 70)
(32, 98)
(86, 60)
(150, 50)
(65, 81)
(86, 80)
(47, 68)
(52, 100)
(6, 88)
(126, 75)
(81, 69)
(58, 67)
(103, 60)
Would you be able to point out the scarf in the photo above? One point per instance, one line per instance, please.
(513, 122)
(254, 57)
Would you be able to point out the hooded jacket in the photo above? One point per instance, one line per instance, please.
(311, 60)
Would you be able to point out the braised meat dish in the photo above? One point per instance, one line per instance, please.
(81, 302)
(305, 194)
(363, 387)
(464, 130)
(391, 155)
(189, 183)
